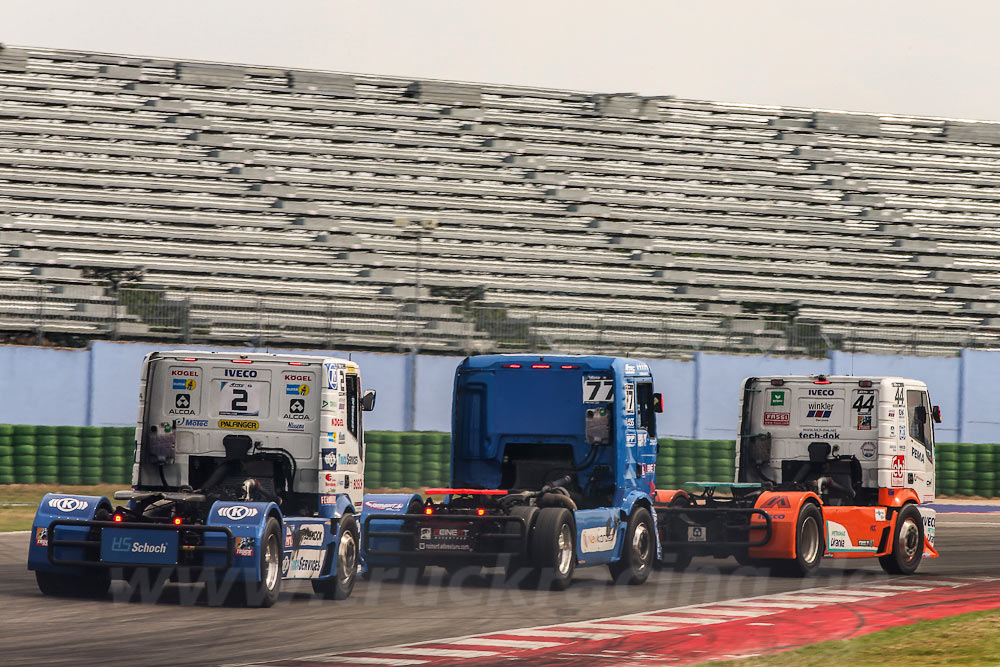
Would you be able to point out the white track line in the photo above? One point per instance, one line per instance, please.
(377, 661)
(568, 633)
(438, 652)
(506, 643)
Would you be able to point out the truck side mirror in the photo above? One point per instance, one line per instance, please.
(368, 400)
(920, 414)
(936, 414)
(657, 402)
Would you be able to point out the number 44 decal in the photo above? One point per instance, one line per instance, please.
(598, 390)
(864, 402)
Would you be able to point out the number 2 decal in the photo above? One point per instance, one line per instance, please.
(240, 400)
(598, 390)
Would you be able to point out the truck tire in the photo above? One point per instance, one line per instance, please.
(92, 585)
(340, 585)
(808, 545)
(907, 543)
(552, 549)
(263, 593)
(638, 551)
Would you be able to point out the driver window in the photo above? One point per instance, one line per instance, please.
(645, 418)
(919, 430)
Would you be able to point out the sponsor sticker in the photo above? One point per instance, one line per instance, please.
(329, 457)
(602, 538)
(197, 423)
(383, 507)
(898, 470)
(327, 500)
(777, 418)
(311, 535)
(821, 392)
(868, 449)
(239, 424)
(819, 435)
(182, 384)
(237, 512)
(296, 426)
(777, 399)
(68, 504)
(42, 536)
(917, 454)
(864, 422)
(240, 373)
(244, 546)
(297, 389)
(880, 514)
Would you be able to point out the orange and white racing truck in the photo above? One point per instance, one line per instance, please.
(826, 467)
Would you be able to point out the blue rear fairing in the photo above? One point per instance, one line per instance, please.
(246, 521)
(59, 506)
(384, 503)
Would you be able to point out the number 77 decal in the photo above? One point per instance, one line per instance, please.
(598, 390)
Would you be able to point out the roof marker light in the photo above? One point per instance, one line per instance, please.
(189, 359)
(777, 383)
(296, 363)
(864, 383)
(822, 382)
(567, 367)
(511, 365)
(540, 366)
(242, 361)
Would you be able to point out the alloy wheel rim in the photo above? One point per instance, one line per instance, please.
(641, 544)
(908, 540)
(348, 555)
(271, 562)
(565, 546)
(810, 540)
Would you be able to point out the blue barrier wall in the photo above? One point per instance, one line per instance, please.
(99, 386)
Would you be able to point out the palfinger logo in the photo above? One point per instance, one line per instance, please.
(237, 512)
(239, 424)
(68, 504)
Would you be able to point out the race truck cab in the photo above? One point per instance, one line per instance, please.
(553, 463)
(249, 468)
(826, 466)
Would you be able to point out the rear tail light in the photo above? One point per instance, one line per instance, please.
(511, 365)
(118, 518)
(480, 511)
(428, 511)
(177, 521)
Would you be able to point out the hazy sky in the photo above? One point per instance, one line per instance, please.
(912, 57)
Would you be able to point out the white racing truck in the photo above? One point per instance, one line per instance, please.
(249, 468)
(835, 467)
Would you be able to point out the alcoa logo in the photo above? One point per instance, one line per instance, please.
(68, 504)
(237, 512)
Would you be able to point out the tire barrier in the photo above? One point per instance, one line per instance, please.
(415, 460)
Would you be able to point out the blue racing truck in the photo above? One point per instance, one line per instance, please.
(552, 467)
(249, 468)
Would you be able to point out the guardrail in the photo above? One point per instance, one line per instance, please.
(414, 460)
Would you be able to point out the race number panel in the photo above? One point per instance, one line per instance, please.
(240, 398)
(598, 390)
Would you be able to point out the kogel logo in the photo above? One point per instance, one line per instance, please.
(237, 512)
(822, 392)
(240, 373)
(68, 504)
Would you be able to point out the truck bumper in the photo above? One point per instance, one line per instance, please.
(720, 531)
(418, 539)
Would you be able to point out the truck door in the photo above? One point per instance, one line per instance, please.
(919, 439)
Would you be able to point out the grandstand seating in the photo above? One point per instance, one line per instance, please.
(260, 204)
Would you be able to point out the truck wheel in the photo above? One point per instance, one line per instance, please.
(808, 544)
(552, 549)
(94, 584)
(263, 593)
(340, 585)
(907, 543)
(638, 552)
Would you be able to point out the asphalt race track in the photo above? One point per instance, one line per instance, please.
(179, 629)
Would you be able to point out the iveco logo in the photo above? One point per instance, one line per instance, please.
(237, 512)
(68, 504)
